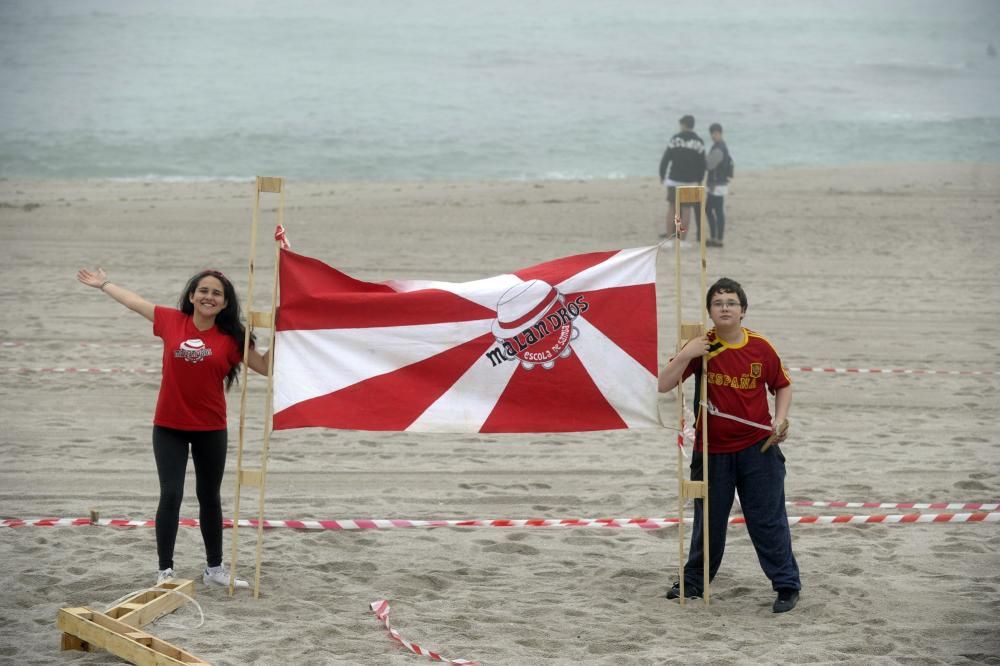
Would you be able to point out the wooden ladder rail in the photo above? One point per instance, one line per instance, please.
(257, 477)
(690, 489)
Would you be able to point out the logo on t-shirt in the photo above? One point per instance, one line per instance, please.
(193, 351)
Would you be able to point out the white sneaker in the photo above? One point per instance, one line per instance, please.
(220, 576)
(164, 575)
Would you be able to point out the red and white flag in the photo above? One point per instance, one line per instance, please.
(567, 345)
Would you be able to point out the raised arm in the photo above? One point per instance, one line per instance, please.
(99, 280)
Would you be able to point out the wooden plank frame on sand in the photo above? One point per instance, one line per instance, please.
(257, 477)
(141, 608)
(692, 196)
(95, 629)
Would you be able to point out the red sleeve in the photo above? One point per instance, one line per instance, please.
(778, 376)
(162, 316)
(691, 368)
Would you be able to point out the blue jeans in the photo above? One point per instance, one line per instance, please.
(760, 480)
(716, 214)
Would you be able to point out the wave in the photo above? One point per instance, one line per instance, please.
(935, 70)
(159, 178)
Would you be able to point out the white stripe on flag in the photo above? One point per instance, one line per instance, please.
(628, 387)
(470, 401)
(486, 292)
(311, 363)
(625, 269)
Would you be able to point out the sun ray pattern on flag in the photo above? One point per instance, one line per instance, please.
(307, 369)
(566, 345)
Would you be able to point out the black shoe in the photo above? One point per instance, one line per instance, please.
(689, 592)
(787, 598)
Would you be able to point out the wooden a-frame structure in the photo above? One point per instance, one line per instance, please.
(255, 477)
(692, 196)
(119, 629)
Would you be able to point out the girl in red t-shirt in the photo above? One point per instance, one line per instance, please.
(202, 350)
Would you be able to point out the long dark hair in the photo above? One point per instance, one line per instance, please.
(228, 319)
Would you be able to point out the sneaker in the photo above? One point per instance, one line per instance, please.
(164, 575)
(220, 576)
(787, 598)
(689, 592)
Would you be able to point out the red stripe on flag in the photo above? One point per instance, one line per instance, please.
(317, 296)
(387, 402)
(627, 316)
(414, 308)
(307, 275)
(562, 399)
(558, 270)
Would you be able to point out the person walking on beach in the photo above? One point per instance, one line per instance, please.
(683, 163)
(742, 368)
(720, 169)
(202, 349)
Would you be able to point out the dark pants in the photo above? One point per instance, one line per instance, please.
(716, 214)
(760, 480)
(208, 450)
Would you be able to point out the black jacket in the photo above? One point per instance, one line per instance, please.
(718, 164)
(685, 157)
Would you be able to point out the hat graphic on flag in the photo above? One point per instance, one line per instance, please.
(529, 325)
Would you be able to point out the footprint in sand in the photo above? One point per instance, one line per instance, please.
(512, 549)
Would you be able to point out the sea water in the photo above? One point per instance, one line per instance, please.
(519, 89)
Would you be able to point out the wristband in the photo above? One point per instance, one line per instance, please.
(104, 284)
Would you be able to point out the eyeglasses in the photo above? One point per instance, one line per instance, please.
(732, 305)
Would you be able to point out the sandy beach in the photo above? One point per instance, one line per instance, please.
(885, 266)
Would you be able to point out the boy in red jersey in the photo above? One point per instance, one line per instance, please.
(742, 368)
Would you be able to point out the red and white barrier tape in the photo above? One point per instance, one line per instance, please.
(950, 506)
(9, 344)
(118, 371)
(894, 371)
(381, 609)
(281, 236)
(859, 371)
(640, 523)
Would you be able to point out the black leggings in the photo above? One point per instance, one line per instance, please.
(208, 450)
